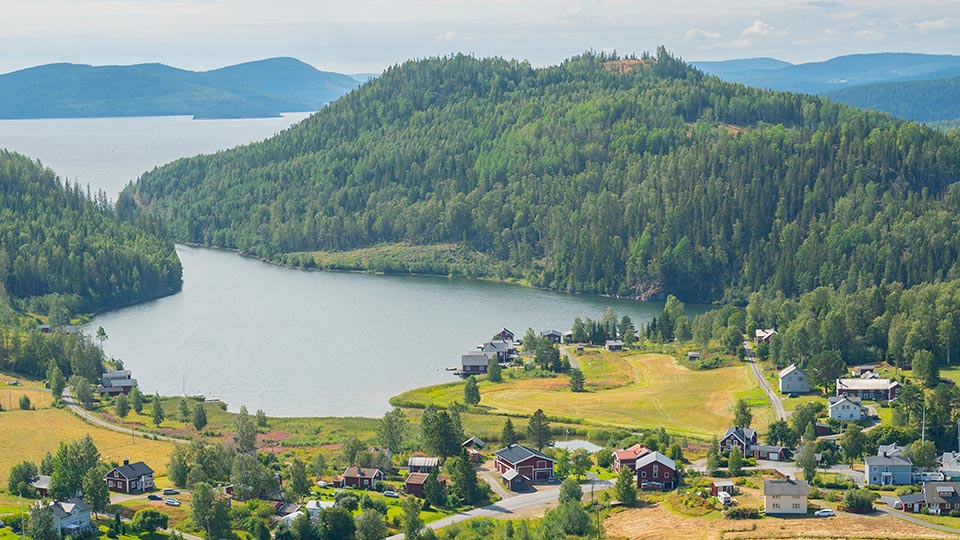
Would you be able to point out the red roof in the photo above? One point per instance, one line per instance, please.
(633, 452)
(417, 478)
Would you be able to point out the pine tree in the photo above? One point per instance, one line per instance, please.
(509, 435)
(577, 380)
(471, 393)
(538, 430)
(157, 412)
(136, 400)
(742, 417)
(183, 410)
(122, 406)
(199, 417)
(494, 371)
(626, 487)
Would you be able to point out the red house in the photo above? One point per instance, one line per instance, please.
(130, 478)
(416, 481)
(358, 478)
(628, 457)
(721, 486)
(740, 437)
(656, 471)
(526, 461)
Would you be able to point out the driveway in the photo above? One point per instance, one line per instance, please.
(574, 363)
(78, 410)
(524, 504)
(773, 396)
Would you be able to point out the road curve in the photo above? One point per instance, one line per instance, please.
(775, 400)
(574, 363)
(75, 407)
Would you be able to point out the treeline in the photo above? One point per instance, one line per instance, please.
(935, 100)
(59, 243)
(651, 181)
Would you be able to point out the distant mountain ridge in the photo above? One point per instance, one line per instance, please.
(921, 87)
(263, 88)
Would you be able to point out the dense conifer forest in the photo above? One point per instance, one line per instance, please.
(63, 251)
(603, 174)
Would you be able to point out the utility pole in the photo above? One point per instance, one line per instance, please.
(923, 429)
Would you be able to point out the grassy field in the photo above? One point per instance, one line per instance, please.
(27, 435)
(628, 390)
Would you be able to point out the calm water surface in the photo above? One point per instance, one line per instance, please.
(289, 342)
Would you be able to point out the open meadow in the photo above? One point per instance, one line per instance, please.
(627, 390)
(27, 435)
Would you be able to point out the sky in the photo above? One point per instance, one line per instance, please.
(367, 36)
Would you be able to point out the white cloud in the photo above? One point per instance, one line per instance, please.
(937, 24)
(760, 28)
(447, 36)
(698, 33)
(869, 34)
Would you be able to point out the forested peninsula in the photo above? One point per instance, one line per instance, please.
(630, 176)
(63, 250)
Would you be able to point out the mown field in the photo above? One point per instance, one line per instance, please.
(629, 390)
(29, 434)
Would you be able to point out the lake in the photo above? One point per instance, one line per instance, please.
(290, 342)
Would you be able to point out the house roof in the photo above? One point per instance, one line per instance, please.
(769, 448)
(744, 434)
(474, 359)
(949, 459)
(723, 483)
(790, 369)
(511, 474)
(941, 492)
(610, 342)
(502, 330)
(785, 487)
(911, 498)
(647, 459)
(64, 509)
(497, 346)
(474, 441)
(314, 504)
(288, 508)
(420, 461)
(357, 472)
(630, 453)
(890, 450)
(865, 384)
(546, 333)
(515, 453)
(41, 481)
(417, 478)
(134, 470)
(836, 400)
(761, 333)
(887, 461)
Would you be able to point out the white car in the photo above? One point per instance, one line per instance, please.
(322, 484)
(171, 502)
(391, 494)
(826, 512)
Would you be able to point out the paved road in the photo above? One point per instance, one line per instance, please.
(78, 410)
(774, 398)
(574, 363)
(507, 508)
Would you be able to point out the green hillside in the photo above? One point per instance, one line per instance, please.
(936, 100)
(633, 177)
(61, 251)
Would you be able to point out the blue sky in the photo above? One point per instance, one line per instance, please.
(369, 35)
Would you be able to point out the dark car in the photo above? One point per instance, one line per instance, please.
(170, 491)
(154, 497)
(793, 395)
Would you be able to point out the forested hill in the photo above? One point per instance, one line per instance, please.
(60, 250)
(936, 100)
(627, 177)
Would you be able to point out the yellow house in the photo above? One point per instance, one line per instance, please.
(785, 496)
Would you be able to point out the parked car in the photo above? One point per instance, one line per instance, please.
(391, 494)
(826, 512)
(322, 483)
(793, 395)
(171, 502)
(170, 491)
(154, 497)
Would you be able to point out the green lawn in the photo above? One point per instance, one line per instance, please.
(655, 390)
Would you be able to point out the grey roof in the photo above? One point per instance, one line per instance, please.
(41, 481)
(884, 461)
(474, 359)
(650, 457)
(475, 441)
(865, 384)
(546, 333)
(64, 509)
(911, 498)
(785, 487)
(768, 448)
(941, 492)
(790, 369)
(357, 472)
(890, 450)
(744, 434)
(420, 461)
(721, 483)
(497, 346)
(613, 342)
(515, 453)
(511, 474)
(833, 400)
(134, 470)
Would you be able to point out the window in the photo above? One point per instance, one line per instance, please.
(643, 474)
(776, 505)
(796, 505)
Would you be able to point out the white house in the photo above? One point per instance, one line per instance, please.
(793, 379)
(71, 516)
(846, 408)
(785, 496)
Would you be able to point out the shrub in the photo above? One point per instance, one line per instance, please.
(742, 512)
(858, 499)
(955, 513)
(15, 522)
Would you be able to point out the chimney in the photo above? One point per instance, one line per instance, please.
(126, 461)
